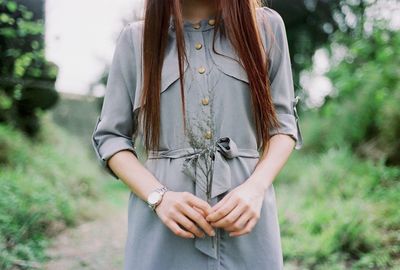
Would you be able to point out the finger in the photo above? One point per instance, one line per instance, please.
(221, 202)
(240, 223)
(199, 203)
(189, 225)
(222, 211)
(230, 218)
(198, 219)
(174, 227)
(202, 212)
(247, 229)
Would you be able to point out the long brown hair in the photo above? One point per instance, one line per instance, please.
(239, 25)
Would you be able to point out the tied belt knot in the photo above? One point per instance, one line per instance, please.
(209, 169)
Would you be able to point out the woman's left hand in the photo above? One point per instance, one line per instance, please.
(239, 210)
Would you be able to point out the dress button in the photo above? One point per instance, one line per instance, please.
(196, 25)
(201, 70)
(198, 46)
(208, 135)
(211, 21)
(204, 101)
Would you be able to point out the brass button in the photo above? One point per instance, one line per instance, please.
(208, 135)
(211, 21)
(201, 70)
(198, 46)
(196, 25)
(204, 101)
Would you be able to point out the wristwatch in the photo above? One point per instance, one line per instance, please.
(155, 197)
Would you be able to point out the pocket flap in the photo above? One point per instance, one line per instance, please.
(228, 62)
(170, 70)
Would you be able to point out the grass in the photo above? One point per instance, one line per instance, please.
(47, 184)
(346, 212)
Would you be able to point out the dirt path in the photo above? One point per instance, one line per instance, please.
(98, 244)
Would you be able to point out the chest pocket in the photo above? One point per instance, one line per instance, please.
(228, 62)
(170, 70)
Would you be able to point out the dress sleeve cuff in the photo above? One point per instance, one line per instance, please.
(110, 147)
(290, 126)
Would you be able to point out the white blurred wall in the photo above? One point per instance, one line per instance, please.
(80, 38)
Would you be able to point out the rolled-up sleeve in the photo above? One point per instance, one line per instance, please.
(281, 81)
(116, 125)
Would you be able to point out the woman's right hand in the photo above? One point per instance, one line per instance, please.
(177, 211)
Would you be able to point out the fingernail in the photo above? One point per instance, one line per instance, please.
(212, 233)
(192, 236)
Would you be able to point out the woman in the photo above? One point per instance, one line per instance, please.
(218, 124)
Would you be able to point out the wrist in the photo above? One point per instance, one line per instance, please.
(152, 189)
(155, 197)
(258, 183)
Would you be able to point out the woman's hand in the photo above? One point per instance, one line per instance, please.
(177, 211)
(239, 210)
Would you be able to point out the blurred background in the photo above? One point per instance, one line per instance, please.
(338, 197)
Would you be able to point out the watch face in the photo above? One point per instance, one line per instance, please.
(154, 197)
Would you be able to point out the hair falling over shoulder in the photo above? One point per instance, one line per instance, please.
(232, 20)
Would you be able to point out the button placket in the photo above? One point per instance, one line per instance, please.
(208, 133)
(201, 96)
(197, 40)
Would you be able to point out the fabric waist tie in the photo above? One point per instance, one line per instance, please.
(209, 169)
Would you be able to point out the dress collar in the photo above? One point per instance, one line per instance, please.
(202, 25)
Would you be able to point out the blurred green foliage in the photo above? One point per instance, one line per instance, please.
(46, 184)
(345, 215)
(346, 181)
(310, 24)
(364, 112)
(26, 78)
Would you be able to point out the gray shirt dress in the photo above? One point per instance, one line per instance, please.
(218, 153)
